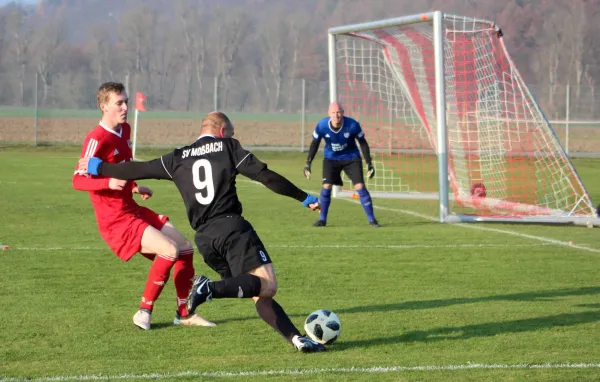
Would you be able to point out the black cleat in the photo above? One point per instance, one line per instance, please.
(320, 223)
(306, 345)
(374, 224)
(199, 293)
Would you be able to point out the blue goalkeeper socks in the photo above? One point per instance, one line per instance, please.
(325, 201)
(365, 200)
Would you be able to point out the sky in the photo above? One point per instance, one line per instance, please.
(4, 2)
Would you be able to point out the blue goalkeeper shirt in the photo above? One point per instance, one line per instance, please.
(340, 144)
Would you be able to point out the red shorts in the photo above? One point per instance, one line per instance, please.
(124, 236)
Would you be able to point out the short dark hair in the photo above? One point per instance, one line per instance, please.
(216, 118)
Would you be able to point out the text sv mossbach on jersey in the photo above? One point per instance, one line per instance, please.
(208, 148)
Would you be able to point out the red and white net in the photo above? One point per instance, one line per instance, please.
(503, 156)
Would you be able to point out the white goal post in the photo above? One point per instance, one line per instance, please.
(448, 117)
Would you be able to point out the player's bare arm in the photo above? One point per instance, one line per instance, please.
(84, 183)
(143, 191)
(116, 184)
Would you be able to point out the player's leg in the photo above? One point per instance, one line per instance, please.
(132, 234)
(165, 251)
(354, 171)
(183, 277)
(253, 276)
(183, 269)
(273, 314)
(231, 247)
(331, 176)
(267, 308)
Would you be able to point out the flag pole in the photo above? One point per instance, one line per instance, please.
(139, 106)
(135, 124)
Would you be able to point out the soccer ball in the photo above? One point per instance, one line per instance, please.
(323, 326)
(478, 189)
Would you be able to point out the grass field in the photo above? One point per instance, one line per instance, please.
(417, 300)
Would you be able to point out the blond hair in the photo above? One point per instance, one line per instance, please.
(103, 93)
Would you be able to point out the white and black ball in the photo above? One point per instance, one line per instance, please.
(323, 326)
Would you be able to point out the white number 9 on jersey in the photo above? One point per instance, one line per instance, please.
(205, 185)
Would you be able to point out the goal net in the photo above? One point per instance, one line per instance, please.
(448, 117)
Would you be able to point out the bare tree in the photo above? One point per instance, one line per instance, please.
(295, 41)
(21, 31)
(104, 51)
(575, 29)
(166, 60)
(137, 31)
(273, 57)
(46, 43)
(4, 36)
(280, 45)
(591, 81)
(550, 54)
(192, 29)
(229, 34)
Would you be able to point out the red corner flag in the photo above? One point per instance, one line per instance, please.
(139, 101)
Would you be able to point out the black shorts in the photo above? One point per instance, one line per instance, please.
(230, 246)
(332, 171)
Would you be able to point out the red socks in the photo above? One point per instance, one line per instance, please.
(183, 275)
(157, 278)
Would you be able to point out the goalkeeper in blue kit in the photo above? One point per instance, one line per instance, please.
(341, 154)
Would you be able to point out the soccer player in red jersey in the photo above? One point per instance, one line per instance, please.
(125, 226)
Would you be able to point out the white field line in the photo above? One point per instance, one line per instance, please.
(293, 246)
(348, 370)
(480, 227)
(474, 226)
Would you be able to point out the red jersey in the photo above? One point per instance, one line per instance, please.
(112, 147)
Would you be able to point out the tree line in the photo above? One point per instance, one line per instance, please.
(257, 50)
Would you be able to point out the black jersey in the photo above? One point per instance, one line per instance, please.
(204, 174)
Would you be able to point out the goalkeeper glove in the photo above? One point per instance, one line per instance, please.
(310, 199)
(93, 164)
(307, 170)
(370, 171)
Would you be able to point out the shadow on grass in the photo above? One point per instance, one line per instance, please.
(431, 304)
(539, 296)
(479, 330)
(593, 306)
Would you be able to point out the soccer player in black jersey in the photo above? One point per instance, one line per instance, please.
(204, 173)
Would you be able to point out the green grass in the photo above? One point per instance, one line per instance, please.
(410, 295)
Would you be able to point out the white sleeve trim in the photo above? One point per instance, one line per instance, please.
(165, 167)
(91, 148)
(247, 155)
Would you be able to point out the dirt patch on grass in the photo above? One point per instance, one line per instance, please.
(177, 132)
(168, 132)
